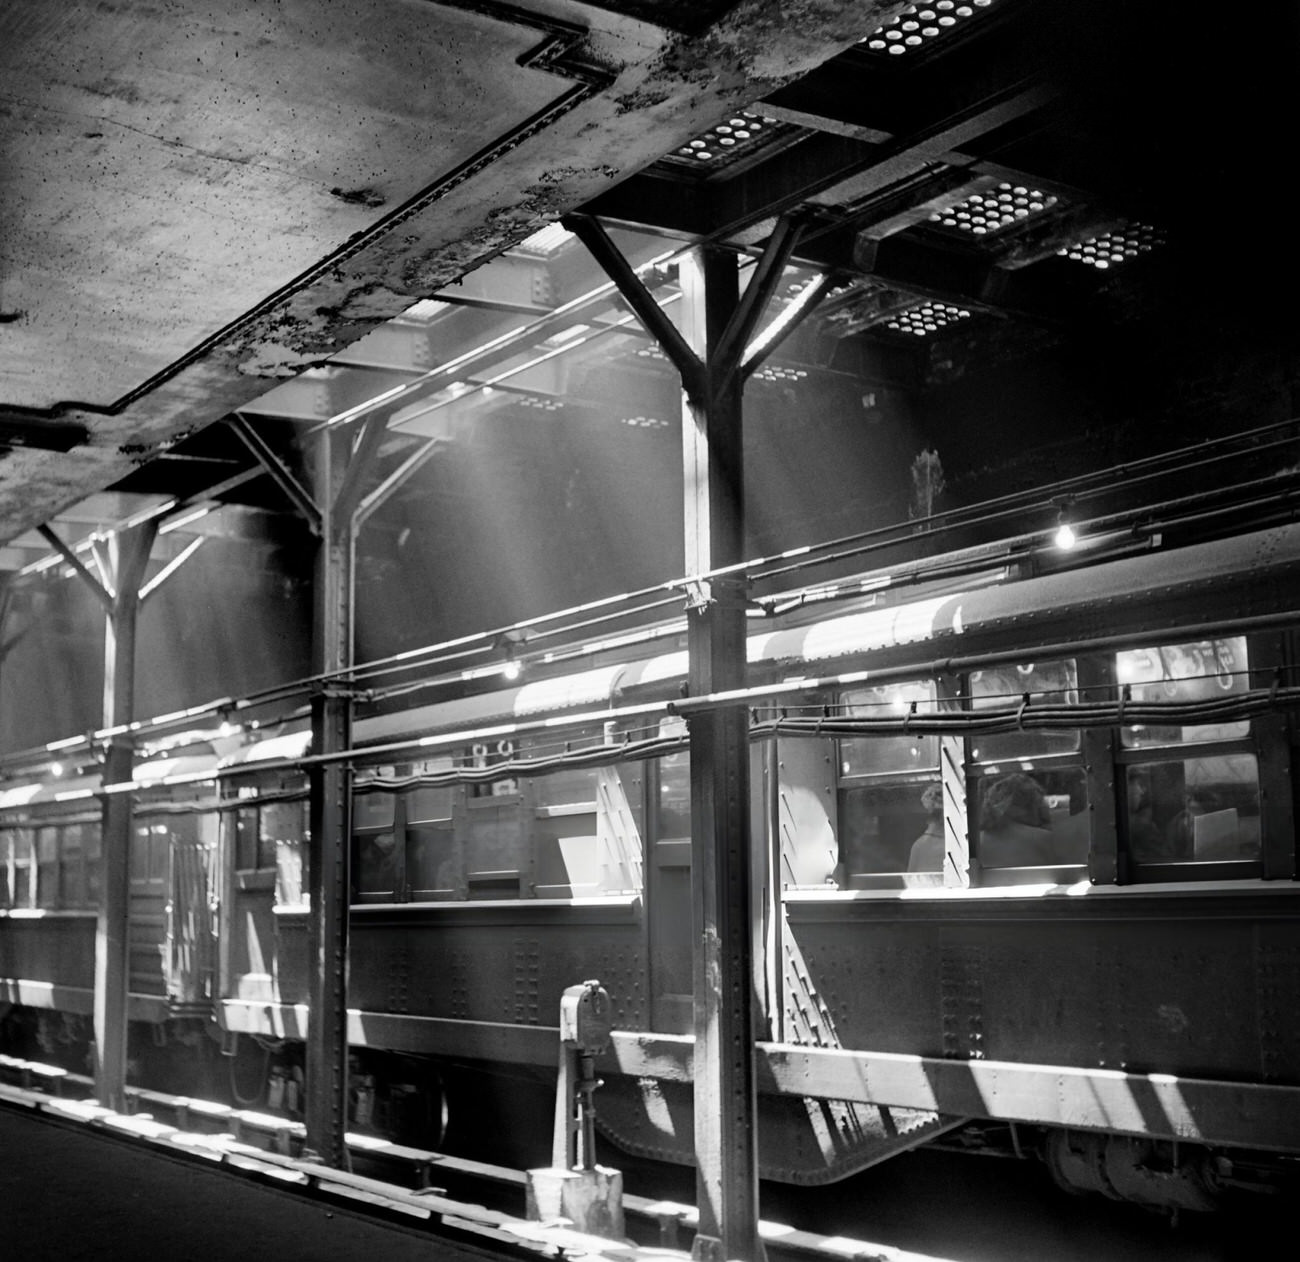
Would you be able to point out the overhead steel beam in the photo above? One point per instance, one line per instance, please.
(874, 96)
(100, 592)
(639, 298)
(279, 471)
(754, 359)
(753, 302)
(932, 131)
(823, 163)
(359, 465)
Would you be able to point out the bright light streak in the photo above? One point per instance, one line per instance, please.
(171, 567)
(785, 318)
(184, 520)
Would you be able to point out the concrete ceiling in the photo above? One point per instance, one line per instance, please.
(198, 200)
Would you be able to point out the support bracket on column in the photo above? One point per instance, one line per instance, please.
(280, 473)
(639, 298)
(101, 593)
(725, 358)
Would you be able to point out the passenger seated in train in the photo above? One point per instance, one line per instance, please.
(925, 859)
(1015, 824)
(1206, 829)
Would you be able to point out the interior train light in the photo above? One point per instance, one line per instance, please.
(512, 669)
(56, 768)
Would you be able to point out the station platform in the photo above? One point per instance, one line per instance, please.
(80, 1182)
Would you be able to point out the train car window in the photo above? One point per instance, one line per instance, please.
(428, 804)
(433, 865)
(1044, 683)
(674, 805)
(432, 861)
(373, 810)
(47, 867)
(1028, 789)
(889, 832)
(72, 867)
(1192, 801)
(6, 867)
(376, 864)
(587, 823)
(886, 790)
(24, 867)
(282, 830)
(1203, 670)
(1194, 810)
(1035, 816)
(567, 787)
(888, 755)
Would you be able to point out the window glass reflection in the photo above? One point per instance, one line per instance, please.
(1204, 670)
(1202, 809)
(1046, 683)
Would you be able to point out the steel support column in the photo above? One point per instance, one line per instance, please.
(331, 795)
(710, 354)
(723, 916)
(127, 556)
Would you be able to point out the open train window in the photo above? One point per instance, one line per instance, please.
(588, 823)
(1028, 794)
(1192, 804)
(270, 844)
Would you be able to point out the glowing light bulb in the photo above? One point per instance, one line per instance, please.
(511, 670)
(1065, 538)
(56, 768)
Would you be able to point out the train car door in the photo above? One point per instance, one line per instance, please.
(190, 944)
(149, 895)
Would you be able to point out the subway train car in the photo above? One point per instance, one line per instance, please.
(1023, 851)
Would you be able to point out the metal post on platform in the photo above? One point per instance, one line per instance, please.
(715, 350)
(330, 808)
(574, 1187)
(123, 557)
(726, 1145)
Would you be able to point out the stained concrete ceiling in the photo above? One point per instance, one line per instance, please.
(198, 200)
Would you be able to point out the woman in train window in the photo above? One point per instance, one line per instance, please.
(1015, 824)
(925, 859)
